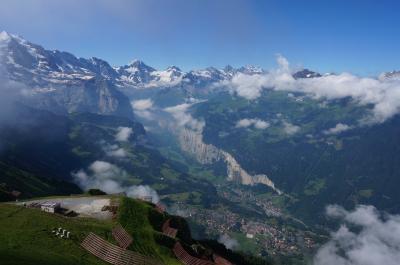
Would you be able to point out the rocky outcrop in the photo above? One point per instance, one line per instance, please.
(237, 173)
(192, 143)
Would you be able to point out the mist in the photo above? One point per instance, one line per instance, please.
(111, 179)
(10, 93)
(383, 94)
(375, 240)
(229, 242)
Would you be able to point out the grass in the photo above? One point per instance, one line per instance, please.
(169, 174)
(315, 186)
(26, 235)
(135, 215)
(367, 193)
(31, 185)
(247, 245)
(26, 238)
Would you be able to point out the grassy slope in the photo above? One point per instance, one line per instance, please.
(139, 219)
(30, 184)
(143, 222)
(26, 238)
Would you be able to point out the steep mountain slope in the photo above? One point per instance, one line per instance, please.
(36, 154)
(46, 149)
(58, 81)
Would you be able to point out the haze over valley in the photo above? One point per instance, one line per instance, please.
(282, 163)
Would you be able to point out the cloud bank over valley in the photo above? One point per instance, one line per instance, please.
(382, 94)
(376, 239)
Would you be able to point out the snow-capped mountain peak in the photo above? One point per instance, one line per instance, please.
(306, 73)
(228, 68)
(168, 77)
(138, 65)
(59, 81)
(4, 36)
(390, 75)
(136, 73)
(173, 68)
(251, 70)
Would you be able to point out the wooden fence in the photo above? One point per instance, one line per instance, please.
(114, 254)
(122, 237)
(168, 230)
(186, 258)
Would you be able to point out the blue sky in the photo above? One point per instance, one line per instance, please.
(359, 36)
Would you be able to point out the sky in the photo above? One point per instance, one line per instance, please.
(358, 36)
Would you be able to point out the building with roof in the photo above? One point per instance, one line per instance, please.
(50, 207)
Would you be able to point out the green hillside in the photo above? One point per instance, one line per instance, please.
(26, 237)
(316, 168)
(30, 185)
(40, 151)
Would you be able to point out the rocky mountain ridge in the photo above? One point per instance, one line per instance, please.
(192, 143)
(60, 82)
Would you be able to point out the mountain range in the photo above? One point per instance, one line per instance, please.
(225, 139)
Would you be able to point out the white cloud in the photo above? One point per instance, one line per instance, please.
(143, 192)
(339, 128)
(143, 108)
(382, 94)
(289, 128)
(114, 150)
(123, 134)
(110, 178)
(102, 175)
(184, 119)
(228, 241)
(261, 124)
(10, 93)
(257, 123)
(282, 62)
(244, 123)
(105, 170)
(376, 241)
(247, 86)
(142, 104)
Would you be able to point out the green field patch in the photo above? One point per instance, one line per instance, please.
(314, 187)
(367, 193)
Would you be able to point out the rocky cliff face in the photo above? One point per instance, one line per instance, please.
(59, 81)
(192, 143)
(237, 173)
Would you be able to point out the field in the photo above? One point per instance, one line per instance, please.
(26, 238)
(26, 235)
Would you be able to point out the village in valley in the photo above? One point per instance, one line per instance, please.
(263, 231)
(268, 237)
(106, 208)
